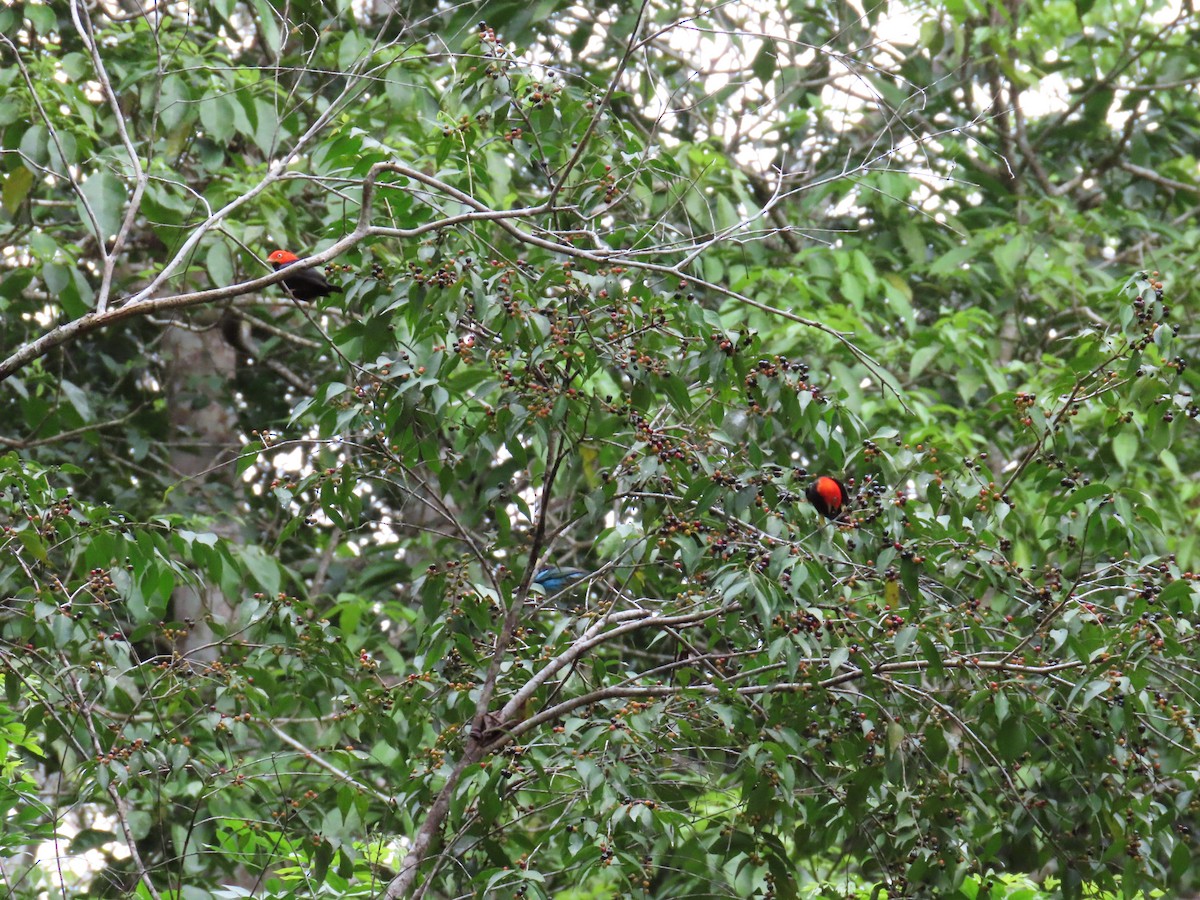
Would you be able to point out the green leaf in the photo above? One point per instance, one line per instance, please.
(350, 50)
(1012, 739)
(763, 65)
(1001, 705)
(837, 658)
(1124, 446)
(216, 115)
(914, 244)
(16, 189)
(90, 839)
(42, 17)
(106, 196)
(263, 567)
(266, 125)
(220, 264)
(268, 27)
(1094, 690)
(1009, 254)
(35, 144)
(78, 399)
(175, 105)
(952, 261)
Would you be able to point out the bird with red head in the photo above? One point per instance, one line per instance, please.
(303, 284)
(828, 496)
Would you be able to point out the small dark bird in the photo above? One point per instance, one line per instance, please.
(303, 284)
(828, 495)
(555, 578)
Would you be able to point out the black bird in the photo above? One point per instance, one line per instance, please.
(828, 496)
(303, 284)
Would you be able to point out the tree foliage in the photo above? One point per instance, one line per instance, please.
(619, 281)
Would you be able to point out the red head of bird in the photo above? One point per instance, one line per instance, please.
(279, 258)
(828, 495)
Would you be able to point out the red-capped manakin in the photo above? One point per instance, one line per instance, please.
(828, 496)
(303, 284)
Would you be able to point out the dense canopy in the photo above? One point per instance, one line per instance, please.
(496, 573)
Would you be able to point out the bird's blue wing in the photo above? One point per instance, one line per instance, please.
(555, 578)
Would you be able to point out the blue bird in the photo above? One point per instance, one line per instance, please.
(554, 578)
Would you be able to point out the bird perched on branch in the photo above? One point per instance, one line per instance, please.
(555, 578)
(303, 284)
(828, 496)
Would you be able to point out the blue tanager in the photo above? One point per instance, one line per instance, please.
(554, 578)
